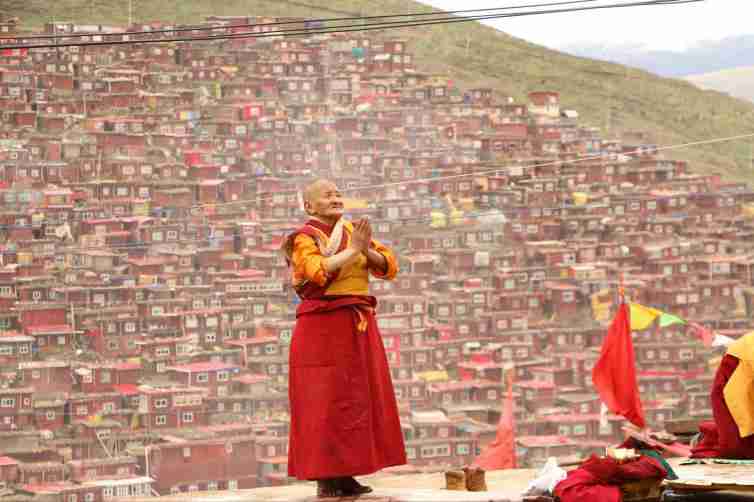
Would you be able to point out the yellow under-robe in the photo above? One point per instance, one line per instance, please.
(353, 279)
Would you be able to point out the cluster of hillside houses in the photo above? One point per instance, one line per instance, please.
(145, 312)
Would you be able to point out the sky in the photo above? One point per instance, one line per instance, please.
(673, 27)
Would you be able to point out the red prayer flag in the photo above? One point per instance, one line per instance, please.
(705, 335)
(614, 375)
(501, 453)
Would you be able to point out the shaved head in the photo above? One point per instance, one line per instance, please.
(316, 187)
(323, 200)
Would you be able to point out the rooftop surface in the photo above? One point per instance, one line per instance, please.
(503, 486)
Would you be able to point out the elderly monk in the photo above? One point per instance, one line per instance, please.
(344, 418)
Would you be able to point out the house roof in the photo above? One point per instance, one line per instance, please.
(50, 329)
(5, 461)
(201, 367)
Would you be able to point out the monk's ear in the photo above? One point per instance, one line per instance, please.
(307, 207)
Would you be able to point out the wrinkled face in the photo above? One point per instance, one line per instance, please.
(325, 201)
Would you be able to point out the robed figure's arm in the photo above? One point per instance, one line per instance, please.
(381, 261)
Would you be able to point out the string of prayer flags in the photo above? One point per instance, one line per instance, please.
(642, 317)
(705, 335)
(669, 320)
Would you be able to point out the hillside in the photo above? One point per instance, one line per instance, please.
(738, 82)
(606, 95)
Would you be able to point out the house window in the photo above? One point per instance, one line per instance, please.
(89, 497)
(222, 376)
(579, 430)
(202, 377)
(232, 484)
(188, 416)
(161, 403)
(161, 420)
(73, 497)
(50, 415)
(7, 402)
(130, 327)
(463, 449)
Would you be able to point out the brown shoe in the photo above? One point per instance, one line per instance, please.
(351, 487)
(455, 480)
(475, 481)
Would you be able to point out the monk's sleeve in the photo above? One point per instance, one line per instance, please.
(390, 259)
(308, 262)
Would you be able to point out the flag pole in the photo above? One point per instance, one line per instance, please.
(621, 288)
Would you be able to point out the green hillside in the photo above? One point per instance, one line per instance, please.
(612, 97)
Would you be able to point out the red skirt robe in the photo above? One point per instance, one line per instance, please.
(344, 416)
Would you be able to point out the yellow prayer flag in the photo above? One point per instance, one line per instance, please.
(602, 301)
(642, 317)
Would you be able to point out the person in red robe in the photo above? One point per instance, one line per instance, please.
(731, 435)
(344, 416)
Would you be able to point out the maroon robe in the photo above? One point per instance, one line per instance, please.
(344, 417)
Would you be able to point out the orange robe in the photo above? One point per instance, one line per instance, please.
(344, 417)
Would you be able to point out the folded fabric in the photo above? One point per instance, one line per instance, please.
(599, 479)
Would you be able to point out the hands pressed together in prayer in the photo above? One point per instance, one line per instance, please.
(361, 240)
(361, 237)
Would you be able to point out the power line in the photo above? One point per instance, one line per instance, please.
(348, 28)
(493, 171)
(282, 23)
(372, 187)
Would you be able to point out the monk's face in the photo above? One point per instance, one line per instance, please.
(325, 202)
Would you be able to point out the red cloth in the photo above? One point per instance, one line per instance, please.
(702, 333)
(599, 479)
(344, 417)
(614, 375)
(501, 453)
(721, 439)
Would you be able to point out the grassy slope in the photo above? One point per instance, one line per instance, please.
(673, 111)
(737, 82)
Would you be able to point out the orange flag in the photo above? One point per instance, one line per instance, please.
(501, 453)
(614, 375)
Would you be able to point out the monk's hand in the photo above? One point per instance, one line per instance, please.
(368, 231)
(361, 236)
